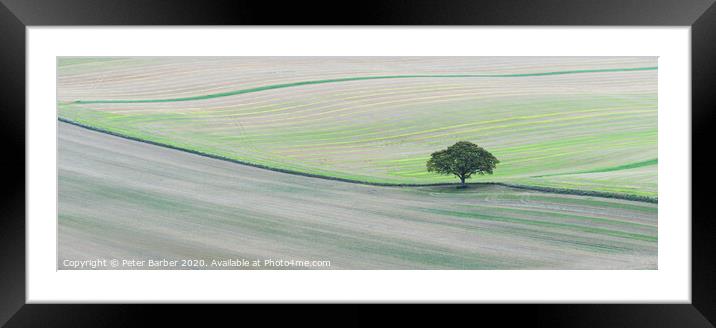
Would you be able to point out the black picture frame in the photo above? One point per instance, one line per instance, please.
(16, 15)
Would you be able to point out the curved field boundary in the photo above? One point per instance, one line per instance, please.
(518, 186)
(359, 78)
(634, 165)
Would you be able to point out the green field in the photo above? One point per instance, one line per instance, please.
(576, 123)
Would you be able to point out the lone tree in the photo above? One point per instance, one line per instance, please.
(462, 159)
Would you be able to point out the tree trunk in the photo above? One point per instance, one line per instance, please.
(462, 180)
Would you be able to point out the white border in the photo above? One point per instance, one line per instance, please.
(670, 283)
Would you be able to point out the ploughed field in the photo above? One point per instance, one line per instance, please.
(587, 123)
(126, 199)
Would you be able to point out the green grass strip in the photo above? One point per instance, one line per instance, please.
(359, 78)
(608, 169)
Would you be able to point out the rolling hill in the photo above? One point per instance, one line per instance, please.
(563, 122)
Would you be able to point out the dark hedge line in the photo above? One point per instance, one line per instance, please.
(602, 194)
(517, 186)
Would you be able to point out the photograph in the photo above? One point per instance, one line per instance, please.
(357, 163)
(533, 157)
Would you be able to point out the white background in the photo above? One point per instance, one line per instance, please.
(670, 283)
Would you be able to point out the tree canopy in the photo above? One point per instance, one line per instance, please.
(463, 159)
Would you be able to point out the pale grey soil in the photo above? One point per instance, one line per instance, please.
(121, 199)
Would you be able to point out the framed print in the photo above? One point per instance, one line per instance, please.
(400, 153)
